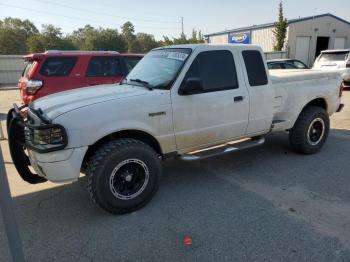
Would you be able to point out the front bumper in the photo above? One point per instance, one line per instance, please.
(58, 167)
(43, 159)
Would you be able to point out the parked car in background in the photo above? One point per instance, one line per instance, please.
(55, 71)
(286, 64)
(335, 60)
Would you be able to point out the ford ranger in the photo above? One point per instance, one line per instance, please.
(186, 101)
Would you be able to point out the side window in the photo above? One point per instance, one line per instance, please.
(275, 66)
(104, 66)
(255, 67)
(130, 62)
(289, 66)
(216, 70)
(299, 64)
(58, 66)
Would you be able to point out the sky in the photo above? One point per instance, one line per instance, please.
(160, 17)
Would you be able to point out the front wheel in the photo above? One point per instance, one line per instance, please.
(123, 175)
(310, 131)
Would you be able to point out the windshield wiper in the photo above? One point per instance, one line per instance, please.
(143, 83)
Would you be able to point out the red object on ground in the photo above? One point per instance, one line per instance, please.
(55, 71)
(187, 240)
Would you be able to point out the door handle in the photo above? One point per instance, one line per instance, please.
(238, 98)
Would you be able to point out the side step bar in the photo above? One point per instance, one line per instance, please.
(223, 149)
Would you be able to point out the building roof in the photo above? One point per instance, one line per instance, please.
(267, 25)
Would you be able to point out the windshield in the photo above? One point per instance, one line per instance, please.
(336, 56)
(159, 68)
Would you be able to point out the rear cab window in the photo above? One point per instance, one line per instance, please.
(58, 66)
(102, 66)
(255, 68)
(334, 56)
(130, 62)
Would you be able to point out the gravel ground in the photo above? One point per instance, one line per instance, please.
(262, 204)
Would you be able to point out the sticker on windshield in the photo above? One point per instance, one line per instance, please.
(171, 55)
(177, 56)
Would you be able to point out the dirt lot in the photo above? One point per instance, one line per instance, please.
(263, 204)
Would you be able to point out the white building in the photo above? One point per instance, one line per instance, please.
(306, 37)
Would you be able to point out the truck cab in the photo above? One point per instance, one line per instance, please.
(214, 100)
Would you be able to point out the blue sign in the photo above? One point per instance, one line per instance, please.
(239, 38)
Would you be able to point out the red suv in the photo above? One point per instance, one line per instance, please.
(56, 71)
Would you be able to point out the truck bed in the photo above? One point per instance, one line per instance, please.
(293, 88)
(282, 76)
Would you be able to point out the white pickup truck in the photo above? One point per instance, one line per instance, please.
(186, 101)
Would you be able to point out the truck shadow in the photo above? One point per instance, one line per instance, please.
(3, 116)
(275, 156)
(188, 192)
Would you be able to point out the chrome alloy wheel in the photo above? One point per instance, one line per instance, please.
(129, 179)
(316, 131)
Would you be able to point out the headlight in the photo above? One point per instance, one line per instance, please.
(46, 139)
(48, 136)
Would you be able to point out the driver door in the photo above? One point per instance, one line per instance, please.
(218, 112)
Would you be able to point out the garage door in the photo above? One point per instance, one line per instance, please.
(303, 49)
(339, 43)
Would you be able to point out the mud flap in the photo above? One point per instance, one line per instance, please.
(17, 150)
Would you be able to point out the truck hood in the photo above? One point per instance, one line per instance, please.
(60, 103)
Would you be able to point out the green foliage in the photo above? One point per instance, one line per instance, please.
(280, 30)
(14, 34)
(21, 36)
(89, 38)
(51, 38)
(196, 38)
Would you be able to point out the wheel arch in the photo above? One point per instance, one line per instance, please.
(319, 102)
(131, 133)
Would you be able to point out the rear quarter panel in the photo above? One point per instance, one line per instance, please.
(293, 94)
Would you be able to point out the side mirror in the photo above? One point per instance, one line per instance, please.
(192, 86)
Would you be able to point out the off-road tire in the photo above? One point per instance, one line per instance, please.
(298, 135)
(100, 168)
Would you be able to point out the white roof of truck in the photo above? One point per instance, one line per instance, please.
(213, 46)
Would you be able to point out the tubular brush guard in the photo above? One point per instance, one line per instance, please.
(15, 129)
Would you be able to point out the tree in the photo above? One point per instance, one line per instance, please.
(90, 38)
(51, 38)
(181, 40)
(145, 42)
(14, 33)
(280, 30)
(196, 38)
(166, 41)
(128, 33)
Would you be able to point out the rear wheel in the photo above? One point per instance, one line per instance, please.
(310, 131)
(123, 175)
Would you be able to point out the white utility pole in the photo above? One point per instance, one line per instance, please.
(182, 25)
